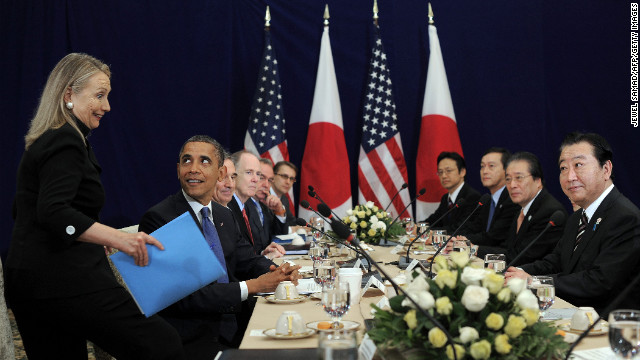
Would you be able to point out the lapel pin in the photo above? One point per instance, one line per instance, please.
(221, 223)
(596, 224)
(529, 218)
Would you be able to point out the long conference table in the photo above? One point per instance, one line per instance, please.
(266, 314)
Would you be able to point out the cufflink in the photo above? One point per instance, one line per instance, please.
(71, 230)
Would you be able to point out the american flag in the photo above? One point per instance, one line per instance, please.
(266, 134)
(381, 167)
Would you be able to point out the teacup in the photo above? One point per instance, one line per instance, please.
(290, 323)
(583, 318)
(286, 290)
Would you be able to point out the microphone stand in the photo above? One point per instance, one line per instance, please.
(407, 259)
(452, 235)
(399, 289)
(351, 247)
(404, 186)
(420, 193)
(608, 309)
(315, 195)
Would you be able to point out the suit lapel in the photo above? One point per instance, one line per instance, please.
(532, 211)
(182, 205)
(595, 222)
(501, 201)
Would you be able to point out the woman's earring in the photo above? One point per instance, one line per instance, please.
(69, 105)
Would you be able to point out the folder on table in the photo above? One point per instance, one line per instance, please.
(184, 266)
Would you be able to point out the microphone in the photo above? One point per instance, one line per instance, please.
(606, 310)
(420, 193)
(342, 231)
(404, 186)
(556, 219)
(302, 222)
(305, 204)
(403, 262)
(483, 200)
(315, 195)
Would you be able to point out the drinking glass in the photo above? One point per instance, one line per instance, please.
(544, 290)
(462, 246)
(497, 262)
(317, 223)
(422, 229)
(438, 237)
(316, 251)
(624, 333)
(324, 271)
(336, 300)
(409, 226)
(337, 345)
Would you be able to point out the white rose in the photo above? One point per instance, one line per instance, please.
(475, 298)
(418, 284)
(349, 212)
(424, 299)
(353, 219)
(472, 276)
(369, 204)
(460, 258)
(373, 219)
(526, 300)
(516, 285)
(381, 225)
(468, 334)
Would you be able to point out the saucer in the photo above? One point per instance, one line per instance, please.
(272, 299)
(347, 325)
(272, 334)
(567, 327)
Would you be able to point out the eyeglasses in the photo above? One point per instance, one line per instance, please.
(287, 177)
(445, 171)
(516, 179)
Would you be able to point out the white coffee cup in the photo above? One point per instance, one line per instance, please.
(290, 323)
(286, 290)
(352, 276)
(583, 318)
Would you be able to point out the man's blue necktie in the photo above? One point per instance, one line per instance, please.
(492, 210)
(257, 204)
(211, 235)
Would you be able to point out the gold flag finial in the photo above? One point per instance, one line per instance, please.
(326, 14)
(431, 22)
(375, 11)
(267, 18)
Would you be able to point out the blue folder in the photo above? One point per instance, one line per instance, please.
(186, 265)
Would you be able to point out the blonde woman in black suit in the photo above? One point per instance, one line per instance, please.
(59, 283)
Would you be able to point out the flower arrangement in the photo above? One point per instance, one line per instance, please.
(486, 319)
(372, 223)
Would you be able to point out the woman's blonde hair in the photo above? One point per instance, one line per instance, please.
(72, 71)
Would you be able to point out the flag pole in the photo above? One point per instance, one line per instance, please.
(431, 22)
(375, 12)
(326, 14)
(267, 19)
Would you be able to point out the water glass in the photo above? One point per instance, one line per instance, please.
(497, 262)
(324, 271)
(624, 333)
(337, 345)
(409, 226)
(438, 237)
(544, 289)
(336, 300)
(317, 223)
(316, 251)
(462, 246)
(422, 229)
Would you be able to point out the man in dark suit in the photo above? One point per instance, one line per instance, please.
(206, 319)
(492, 224)
(599, 252)
(451, 171)
(257, 226)
(224, 189)
(525, 184)
(285, 176)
